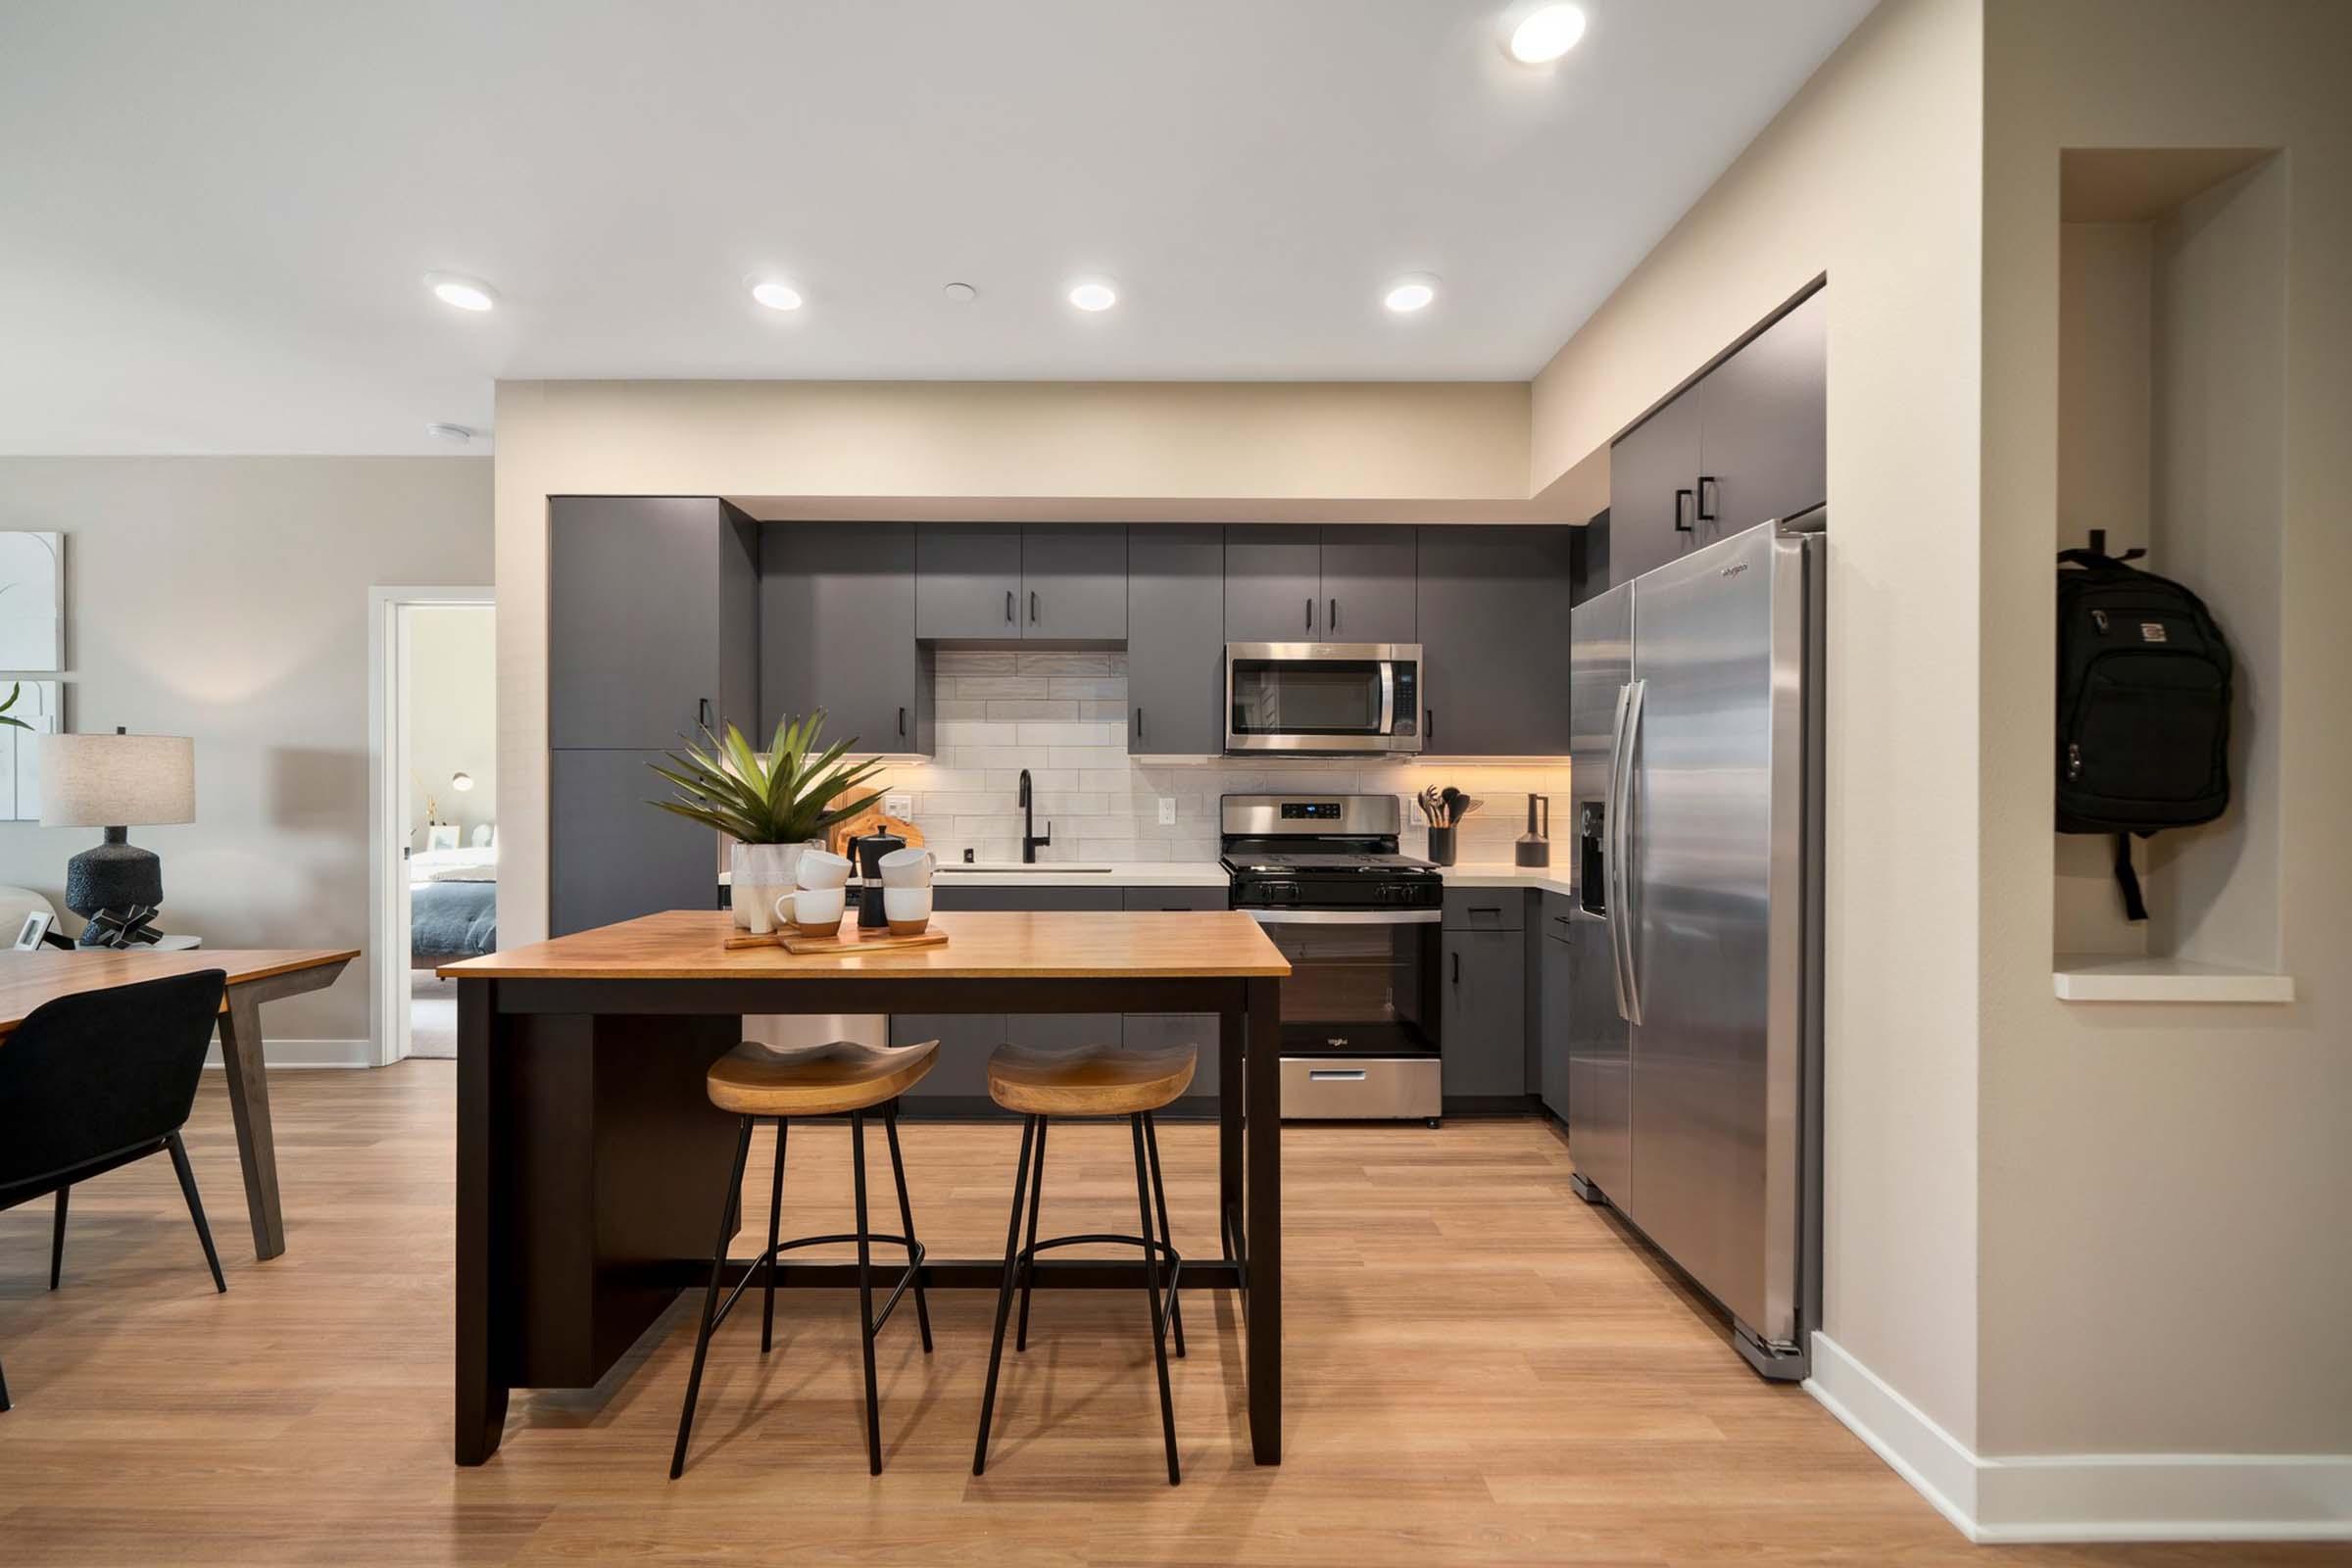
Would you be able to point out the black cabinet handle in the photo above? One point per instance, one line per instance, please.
(1310, 613)
(1334, 622)
(902, 723)
(1032, 607)
(1009, 607)
(702, 713)
(1429, 725)
(1139, 723)
(1457, 966)
(1682, 524)
(1706, 507)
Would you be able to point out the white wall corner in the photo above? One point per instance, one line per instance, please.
(2086, 1496)
(306, 1053)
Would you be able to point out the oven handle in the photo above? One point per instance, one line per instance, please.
(1345, 916)
(1387, 695)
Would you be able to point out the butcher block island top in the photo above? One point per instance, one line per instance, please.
(1106, 945)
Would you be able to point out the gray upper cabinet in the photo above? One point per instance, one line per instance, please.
(837, 633)
(967, 580)
(653, 618)
(1763, 429)
(1175, 639)
(1368, 585)
(1075, 581)
(1653, 490)
(611, 855)
(1273, 585)
(1494, 633)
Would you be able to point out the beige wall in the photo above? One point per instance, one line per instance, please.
(2165, 1254)
(1871, 175)
(452, 682)
(1422, 452)
(225, 599)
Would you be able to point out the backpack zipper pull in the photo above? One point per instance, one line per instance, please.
(2074, 760)
(2098, 619)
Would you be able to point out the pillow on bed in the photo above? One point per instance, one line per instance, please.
(484, 835)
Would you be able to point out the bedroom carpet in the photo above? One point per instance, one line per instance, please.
(433, 1015)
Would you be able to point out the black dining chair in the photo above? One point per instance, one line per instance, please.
(97, 1080)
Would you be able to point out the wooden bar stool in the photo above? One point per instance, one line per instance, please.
(764, 1083)
(1091, 1081)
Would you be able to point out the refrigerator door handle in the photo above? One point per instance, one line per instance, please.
(1610, 809)
(1621, 902)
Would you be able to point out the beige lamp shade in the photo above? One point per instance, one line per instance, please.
(116, 780)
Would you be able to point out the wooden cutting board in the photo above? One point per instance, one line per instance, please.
(850, 940)
(873, 819)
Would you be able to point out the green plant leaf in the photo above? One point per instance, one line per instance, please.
(779, 797)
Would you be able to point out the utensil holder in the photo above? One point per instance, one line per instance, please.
(1441, 845)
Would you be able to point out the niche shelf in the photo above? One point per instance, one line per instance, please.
(2172, 355)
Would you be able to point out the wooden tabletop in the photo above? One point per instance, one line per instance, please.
(1111, 945)
(29, 979)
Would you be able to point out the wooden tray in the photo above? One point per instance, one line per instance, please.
(851, 938)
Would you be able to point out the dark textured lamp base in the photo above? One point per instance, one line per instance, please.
(117, 887)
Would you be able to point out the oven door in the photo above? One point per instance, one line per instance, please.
(1362, 982)
(1322, 697)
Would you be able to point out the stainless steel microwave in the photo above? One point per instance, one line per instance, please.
(1323, 697)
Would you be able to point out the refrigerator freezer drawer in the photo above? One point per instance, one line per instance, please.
(1361, 1087)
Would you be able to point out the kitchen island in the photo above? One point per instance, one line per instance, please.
(588, 1154)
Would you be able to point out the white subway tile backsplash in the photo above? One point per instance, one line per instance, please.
(975, 662)
(950, 708)
(1112, 688)
(1070, 734)
(1035, 707)
(1001, 686)
(964, 732)
(1064, 663)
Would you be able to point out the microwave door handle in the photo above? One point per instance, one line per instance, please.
(1387, 695)
(1622, 912)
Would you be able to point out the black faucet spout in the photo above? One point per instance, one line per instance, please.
(1031, 840)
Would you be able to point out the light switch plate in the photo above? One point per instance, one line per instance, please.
(900, 805)
(1168, 811)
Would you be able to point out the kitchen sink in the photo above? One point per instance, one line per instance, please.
(995, 867)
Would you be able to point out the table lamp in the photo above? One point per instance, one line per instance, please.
(117, 782)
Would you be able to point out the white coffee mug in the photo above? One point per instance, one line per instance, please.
(906, 868)
(811, 906)
(906, 905)
(822, 868)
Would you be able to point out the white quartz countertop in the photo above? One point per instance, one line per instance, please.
(1550, 878)
(1209, 875)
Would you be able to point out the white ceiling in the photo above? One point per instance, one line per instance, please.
(214, 217)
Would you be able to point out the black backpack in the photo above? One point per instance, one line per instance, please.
(2143, 706)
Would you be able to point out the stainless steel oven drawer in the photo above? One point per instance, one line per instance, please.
(1361, 1087)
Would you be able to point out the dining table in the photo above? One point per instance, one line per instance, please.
(254, 975)
(589, 1156)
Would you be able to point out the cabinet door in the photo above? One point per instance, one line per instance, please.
(1555, 986)
(1273, 584)
(967, 580)
(1483, 1042)
(1368, 584)
(1075, 581)
(960, 1068)
(1591, 569)
(633, 619)
(1653, 483)
(610, 855)
(1763, 431)
(1494, 619)
(1175, 640)
(1063, 1031)
(1150, 1031)
(837, 633)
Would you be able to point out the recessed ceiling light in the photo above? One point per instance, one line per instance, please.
(961, 293)
(1095, 294)
(466, 293)
(1547, 33)
(1410, 293)
(775, 294)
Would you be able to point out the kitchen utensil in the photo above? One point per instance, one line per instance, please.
(1533, 846)
(869, 850)
(1454, 801)
(1441, 845)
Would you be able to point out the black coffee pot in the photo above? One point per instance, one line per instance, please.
(867, 850)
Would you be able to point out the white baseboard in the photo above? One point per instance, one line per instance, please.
(2086, 1496)
(306, 1053)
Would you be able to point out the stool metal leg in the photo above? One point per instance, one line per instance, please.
(187, 1190)
(897, 1171)
(1012, 1257)
(1159, 1338)
(718, 1268)
(1159, 1196)
(775, 1215)
(56, 1238)
(1037, 1193)
(865, 1297)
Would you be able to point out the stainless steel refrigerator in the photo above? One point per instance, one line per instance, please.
(1694, 1049)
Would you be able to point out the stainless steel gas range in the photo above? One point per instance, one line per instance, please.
(1358, 921)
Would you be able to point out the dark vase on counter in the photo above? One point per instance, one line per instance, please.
(1441, 845)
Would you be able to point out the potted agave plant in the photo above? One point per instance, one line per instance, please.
(774, 804)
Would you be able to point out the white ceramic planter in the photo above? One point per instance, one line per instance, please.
(758, 875)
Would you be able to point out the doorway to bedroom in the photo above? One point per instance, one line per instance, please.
(435, 807)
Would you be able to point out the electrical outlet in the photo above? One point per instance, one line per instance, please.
(901, 805)
(1168, 811)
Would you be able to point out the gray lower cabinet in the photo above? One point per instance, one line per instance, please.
(1483, 1038)
(960, 1071)
(653, 619)
(1075, 581)
(1150, 1031)
(1494, 630)
(611, 857)
(1554, 986)
(1055, 1029)
(1273, 584)
(967, 580)
(837, 633)
(1369, 579)
(1175, 639)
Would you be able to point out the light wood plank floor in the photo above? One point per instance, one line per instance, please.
(1522, 1387)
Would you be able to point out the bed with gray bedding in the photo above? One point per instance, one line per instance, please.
(453, 905)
